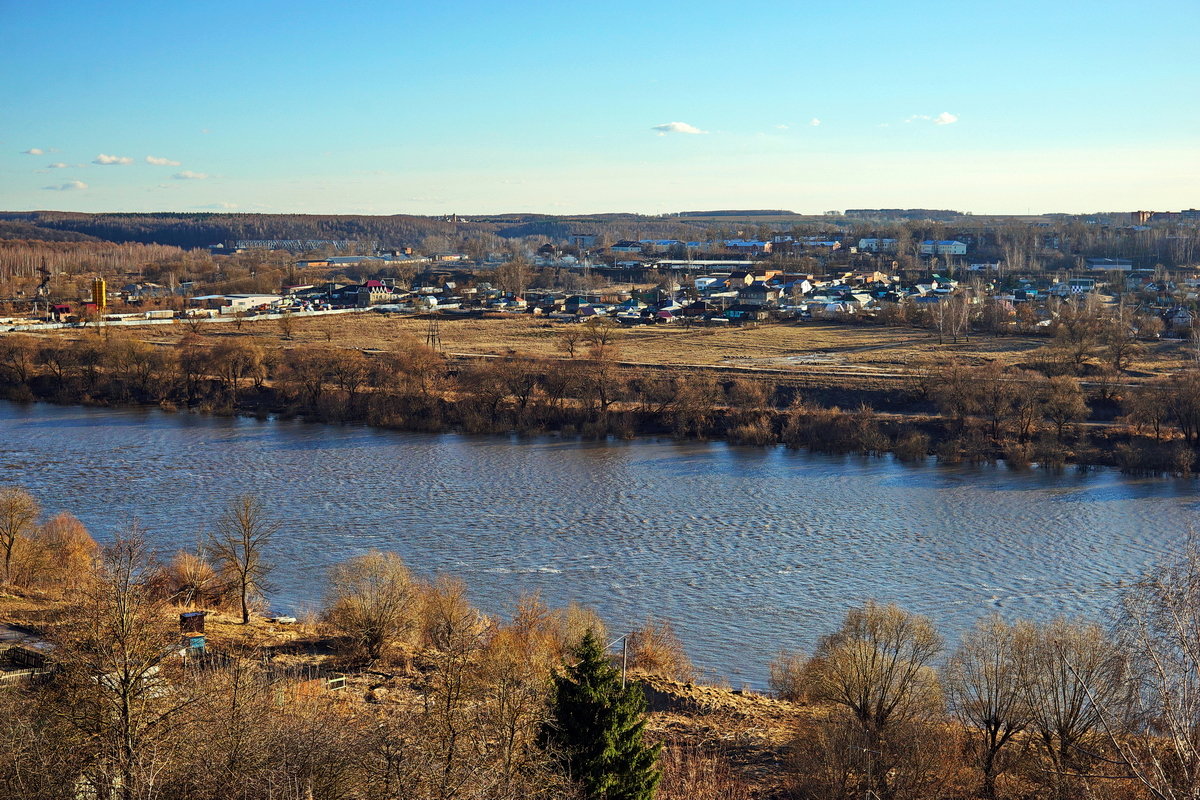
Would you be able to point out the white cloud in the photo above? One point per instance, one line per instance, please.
(676, 127)
(69, 186)
(218, 206)
(106, 160)
(188, 175)
(34, 151)
(161, 162)
(944, 118)
(58, 165)
(814, 122)
(781, 127)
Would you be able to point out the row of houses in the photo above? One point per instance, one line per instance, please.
(786, 243)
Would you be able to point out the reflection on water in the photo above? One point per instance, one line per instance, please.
(745, 550)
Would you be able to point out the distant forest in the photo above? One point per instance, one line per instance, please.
(204, 229)
(192, 230)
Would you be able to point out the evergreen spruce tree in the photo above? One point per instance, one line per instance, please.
(596, 728)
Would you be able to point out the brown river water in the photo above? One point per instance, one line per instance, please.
(745, 550)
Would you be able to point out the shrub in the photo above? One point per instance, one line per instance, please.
(371, 601)
(654, 648)
(912, 446)
(787, 678)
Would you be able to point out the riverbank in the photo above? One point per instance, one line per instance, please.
(953, 410)
(723, 741)
(490, 682)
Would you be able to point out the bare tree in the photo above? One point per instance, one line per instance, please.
(59, 555)
(287, 325)
(569, 339)
(599, 334)
(1076, 679)
(19, 512)
(234, 361)
(18, 358)
(513, 276)
(1146, 408)
(1119, 338)
(242, 535)
(516, 665)
(113, 685)
(984, 682)
(878, 665)
(1077, 327)
(996, 395)
(1063, 402)
(878, 668)
(1161, 629)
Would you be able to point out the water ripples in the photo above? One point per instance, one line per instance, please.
(745, 550)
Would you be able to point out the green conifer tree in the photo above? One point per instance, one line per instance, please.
(596, 728)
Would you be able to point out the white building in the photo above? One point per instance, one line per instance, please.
(877, 245)
(944, 247)
(232, 303)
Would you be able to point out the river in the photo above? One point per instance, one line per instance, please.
(745, 550)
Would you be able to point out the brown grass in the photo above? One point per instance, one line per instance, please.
(810, 348)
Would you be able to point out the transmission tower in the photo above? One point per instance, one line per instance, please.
(433, 332)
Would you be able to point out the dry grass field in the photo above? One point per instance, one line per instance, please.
(805, 348)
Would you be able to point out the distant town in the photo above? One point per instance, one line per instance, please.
(877, 264)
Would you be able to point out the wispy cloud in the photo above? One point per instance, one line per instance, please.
(814, 122)
(188, 175)
(69, 186)
(782, 127)
(944, 118)
(676, 127)
(58, 165)
(107, 160)
(217, 207)
(34, 151)
(161, 162)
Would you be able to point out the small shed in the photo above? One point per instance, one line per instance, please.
(192, 622)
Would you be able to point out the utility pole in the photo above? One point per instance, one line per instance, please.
(624, 640)
(624, 658)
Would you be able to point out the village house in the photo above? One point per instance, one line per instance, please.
(739, 279)
(758, 294)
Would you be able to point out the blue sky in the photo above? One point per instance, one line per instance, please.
(485, 107)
